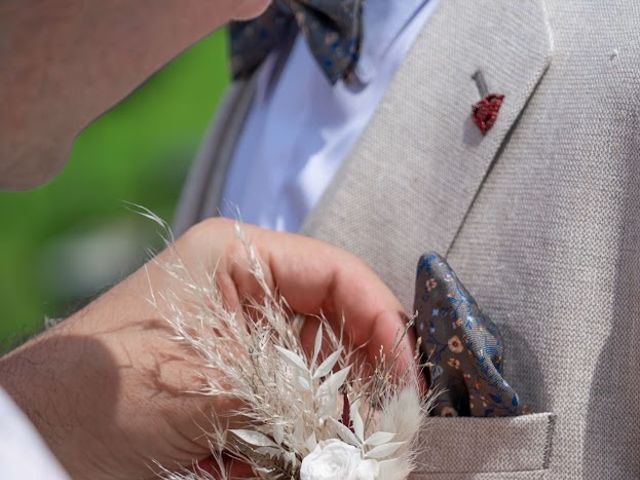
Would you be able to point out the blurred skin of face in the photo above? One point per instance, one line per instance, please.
(250, 8)
(65, 62)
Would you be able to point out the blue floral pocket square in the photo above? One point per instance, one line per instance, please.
(461, 345)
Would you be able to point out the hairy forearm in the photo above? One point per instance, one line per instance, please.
(66, 382)
(64, 62)
(28, 374)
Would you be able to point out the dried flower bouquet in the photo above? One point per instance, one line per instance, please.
(313, 415)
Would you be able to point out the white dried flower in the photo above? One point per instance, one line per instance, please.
(333, 459)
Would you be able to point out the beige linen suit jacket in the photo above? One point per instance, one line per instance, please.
(540, 218)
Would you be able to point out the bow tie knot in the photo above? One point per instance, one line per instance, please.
(332, 29)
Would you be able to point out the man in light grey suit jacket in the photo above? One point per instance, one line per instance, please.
(540, 218)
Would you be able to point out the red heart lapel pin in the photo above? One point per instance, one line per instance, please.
(485, 112)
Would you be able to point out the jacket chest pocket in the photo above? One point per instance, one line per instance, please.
(465, 448)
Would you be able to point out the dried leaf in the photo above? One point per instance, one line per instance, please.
(292, 358)
(383, 451)
(290, 458)
(356, 420)
(254, 438)
(278, 433)
(317, 346)
(298, 431)
(327, 394)
(344, 433)
(311, 442)
(326, 367)
(332, 384)
(379, 438)
(302, 383)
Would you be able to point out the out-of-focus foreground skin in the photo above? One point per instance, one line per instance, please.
(65, 62)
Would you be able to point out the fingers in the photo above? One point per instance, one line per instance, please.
(315, 277)
(231, 468)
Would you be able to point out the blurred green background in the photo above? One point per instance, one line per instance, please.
(64, 243)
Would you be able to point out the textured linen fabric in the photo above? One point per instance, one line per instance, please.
(23, 454)
(286, 155)
(523, 443)
(541, 217)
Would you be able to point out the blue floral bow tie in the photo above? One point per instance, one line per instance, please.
(462, 346)
(332, 28)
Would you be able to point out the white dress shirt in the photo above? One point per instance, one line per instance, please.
(300, 128)
(23, 454)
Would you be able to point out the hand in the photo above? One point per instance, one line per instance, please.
(106, 387)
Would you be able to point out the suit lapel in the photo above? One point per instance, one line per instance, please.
(416, 171)
(204, 187)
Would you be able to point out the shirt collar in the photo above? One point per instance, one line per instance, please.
(383, 21)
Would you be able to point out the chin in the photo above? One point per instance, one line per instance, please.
(248, 9)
